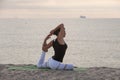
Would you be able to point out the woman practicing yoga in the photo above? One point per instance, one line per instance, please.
(59, 46)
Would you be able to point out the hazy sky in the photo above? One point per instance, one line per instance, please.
(59, 8)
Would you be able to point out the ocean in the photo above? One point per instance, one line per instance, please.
(91, 42)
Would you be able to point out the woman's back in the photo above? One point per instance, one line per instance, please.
(59, 50)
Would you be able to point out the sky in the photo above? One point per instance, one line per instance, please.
(59, 8)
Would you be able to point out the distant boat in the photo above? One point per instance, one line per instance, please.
(83, 17)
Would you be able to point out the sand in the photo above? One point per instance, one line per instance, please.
(93, 73)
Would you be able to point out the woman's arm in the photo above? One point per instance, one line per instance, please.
(61, 34)
(46, 46)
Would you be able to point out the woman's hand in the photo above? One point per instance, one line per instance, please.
(44, 48)
(59, 26)
(52, 31)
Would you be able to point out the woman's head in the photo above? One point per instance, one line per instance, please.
(57, 32)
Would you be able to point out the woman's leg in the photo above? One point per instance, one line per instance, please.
(53, 64)
(41, 63)
(63, 66)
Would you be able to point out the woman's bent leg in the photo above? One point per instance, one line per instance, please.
(63, 66)
(41, 63)
(53, 64)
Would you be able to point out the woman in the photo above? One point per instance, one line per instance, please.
(59, 45)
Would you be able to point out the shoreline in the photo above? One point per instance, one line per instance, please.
(21, 72)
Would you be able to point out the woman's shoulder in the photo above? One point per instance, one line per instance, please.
(60, 41)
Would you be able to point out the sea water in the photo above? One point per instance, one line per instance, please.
(91, 42)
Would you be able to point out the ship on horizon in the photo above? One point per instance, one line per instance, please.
(83, 17)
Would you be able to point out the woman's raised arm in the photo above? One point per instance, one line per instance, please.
(46, 46)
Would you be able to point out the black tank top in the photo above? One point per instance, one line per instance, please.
(59, 51)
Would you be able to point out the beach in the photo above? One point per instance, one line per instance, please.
(93, 46)
(91, 42)
(92, 73)
(92, 36)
